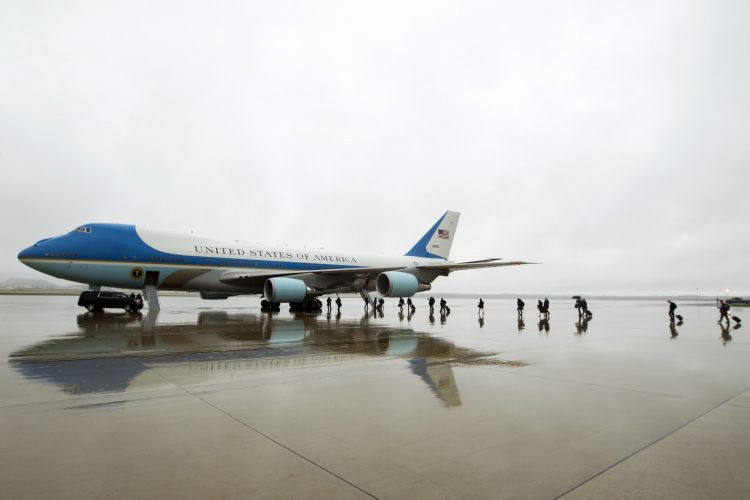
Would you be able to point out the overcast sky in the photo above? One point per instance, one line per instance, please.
(607, 140)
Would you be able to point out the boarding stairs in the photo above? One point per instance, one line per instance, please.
(151, 296)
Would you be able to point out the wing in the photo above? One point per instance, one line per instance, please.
(473, 264)
(355, 278)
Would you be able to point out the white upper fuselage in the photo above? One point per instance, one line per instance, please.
(123, 255)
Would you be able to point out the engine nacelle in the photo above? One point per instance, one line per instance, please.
(285, 290)
(397, 284)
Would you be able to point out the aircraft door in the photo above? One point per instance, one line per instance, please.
(152, 278)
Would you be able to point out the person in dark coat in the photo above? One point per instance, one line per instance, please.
(338, 304)
(481, 307)
(328, 304)
(724, 311)
(519, 306)
(431, 302)
(672, 307)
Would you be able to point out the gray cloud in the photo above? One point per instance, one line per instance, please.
(606, 140)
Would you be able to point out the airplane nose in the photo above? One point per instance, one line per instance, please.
(25, 253)
(32, 251)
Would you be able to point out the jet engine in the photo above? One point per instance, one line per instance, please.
(397, 284)
(285, 290)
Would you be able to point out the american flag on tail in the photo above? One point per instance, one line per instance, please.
(443, 234)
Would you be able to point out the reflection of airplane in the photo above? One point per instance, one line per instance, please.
(106, 355)
(126, 256)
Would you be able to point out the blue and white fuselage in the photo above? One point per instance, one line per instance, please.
(126, 256)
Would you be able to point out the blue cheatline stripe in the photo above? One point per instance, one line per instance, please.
(420, 248)
(121, 243)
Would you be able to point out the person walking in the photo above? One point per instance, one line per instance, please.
(585, 308)
(578, 307)
(431, 302)
(401, 305)
(328, 304)
(338, 304)
(519, 306)
(481, 307)
(672, 307)
(724, 310)
(442, 305)
(546, 307)
(409, 305)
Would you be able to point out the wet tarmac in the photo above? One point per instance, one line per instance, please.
(217, 400)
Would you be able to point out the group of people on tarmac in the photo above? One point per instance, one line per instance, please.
(583, 308)
(138, 301)
(338, 304)
(543, 307)
(721, 305)
(410, 307)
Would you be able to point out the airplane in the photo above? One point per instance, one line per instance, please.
(127, 256)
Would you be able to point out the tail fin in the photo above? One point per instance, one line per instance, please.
(436, 242)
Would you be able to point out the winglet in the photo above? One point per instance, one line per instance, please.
(436, 242)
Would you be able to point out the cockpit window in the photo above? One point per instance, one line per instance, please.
(82, 229)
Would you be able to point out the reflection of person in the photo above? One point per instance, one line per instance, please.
(672, 307)
(725, 332)
(521, 324)
(544, 325)
(672, 329)
(481, 321)
(724, 310)
(582, 325)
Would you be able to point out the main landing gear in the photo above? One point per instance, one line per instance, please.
(267, 306)
(306, 305)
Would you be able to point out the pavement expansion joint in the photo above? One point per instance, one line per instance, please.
(649, 445)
